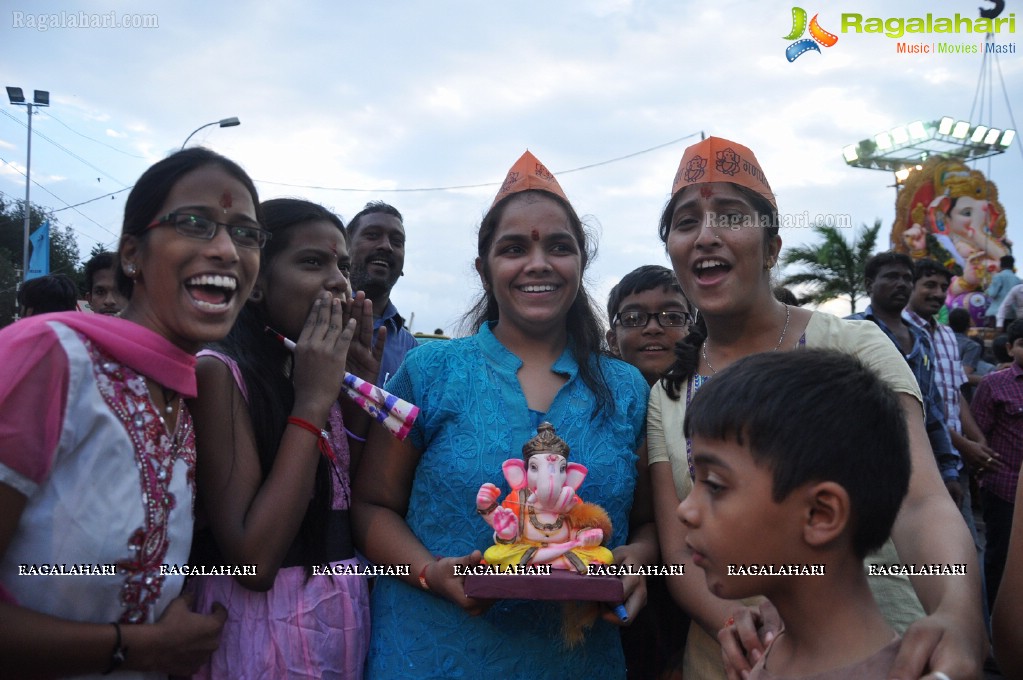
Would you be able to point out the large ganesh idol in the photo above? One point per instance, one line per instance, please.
(542, 520)
(950, 213)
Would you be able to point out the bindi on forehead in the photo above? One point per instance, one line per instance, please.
(535, 235)
(226, 200)
(706, 191)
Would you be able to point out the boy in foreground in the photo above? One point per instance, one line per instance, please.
(802, 462)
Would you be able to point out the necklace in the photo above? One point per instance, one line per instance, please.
(170, 399)
(543, 526)
(781, 339)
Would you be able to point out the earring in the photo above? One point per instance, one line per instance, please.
(130, 271)
(256, 295)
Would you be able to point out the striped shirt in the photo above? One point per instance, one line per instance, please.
(948, 372)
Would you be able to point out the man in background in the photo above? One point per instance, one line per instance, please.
(376, 238)
(930, 285)
(889, 281)
(1001, 284)
(50, 293)
(100, 288)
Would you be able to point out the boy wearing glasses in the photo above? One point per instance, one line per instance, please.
(648, 313)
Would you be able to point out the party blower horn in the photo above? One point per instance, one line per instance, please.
(397, 415)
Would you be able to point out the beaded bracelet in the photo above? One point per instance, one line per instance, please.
(324, 438)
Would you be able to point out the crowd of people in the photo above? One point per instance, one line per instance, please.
(185, 489)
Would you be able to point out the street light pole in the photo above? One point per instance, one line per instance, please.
(40, 98)
(224, 122)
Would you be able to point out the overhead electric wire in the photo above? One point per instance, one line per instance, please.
(67, 205)
(49, 114)
(41, 135)
(476, 186)
(93, 200)
(308, 186)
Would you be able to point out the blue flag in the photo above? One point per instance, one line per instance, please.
(39, 261)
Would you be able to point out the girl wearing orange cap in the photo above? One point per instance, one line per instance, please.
(535, 357)
(720, 229)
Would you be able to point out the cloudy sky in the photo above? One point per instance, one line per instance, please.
(417, 102)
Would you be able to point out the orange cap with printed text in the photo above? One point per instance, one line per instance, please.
(528, 173)
(719, 160)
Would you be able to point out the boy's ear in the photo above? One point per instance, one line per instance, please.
(612, 343)
(827, 513)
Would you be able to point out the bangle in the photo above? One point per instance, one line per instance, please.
(117, 657)
(352, 435)
(489, 509)
(422, 574)
(324, 438)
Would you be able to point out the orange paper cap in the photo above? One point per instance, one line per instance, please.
(528, 173)
(719, 160)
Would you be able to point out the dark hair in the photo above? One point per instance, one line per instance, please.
(640, 279)
(998, 348)
(687, 350)
(98, 262)
(927, 267)
(810, 430)
(783, 294)
(888, 257)
(373, 207)
(1007, 261)
(262, 359)
(49, 293)
(585, 332)
(156, 183)
(1014, 331)
(959, 320)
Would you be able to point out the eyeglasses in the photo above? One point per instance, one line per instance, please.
(196, 226)
(666, 319)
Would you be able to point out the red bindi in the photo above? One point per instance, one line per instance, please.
(706, 191)
(226, 200)
(535, 235)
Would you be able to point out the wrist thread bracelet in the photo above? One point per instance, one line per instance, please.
(323, 437)
(117, 657)
(422, 574)
(352, 435)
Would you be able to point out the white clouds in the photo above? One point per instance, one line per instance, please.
(408, 94)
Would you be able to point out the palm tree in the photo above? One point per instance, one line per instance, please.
(832, 268)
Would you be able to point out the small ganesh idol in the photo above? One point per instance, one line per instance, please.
(542, 520)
